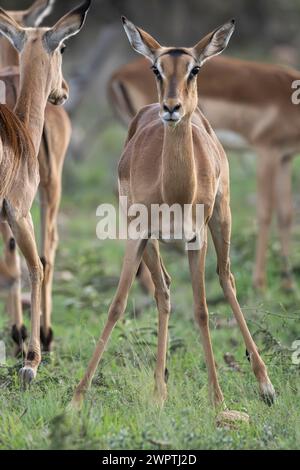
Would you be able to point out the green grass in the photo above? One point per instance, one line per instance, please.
(119, 412)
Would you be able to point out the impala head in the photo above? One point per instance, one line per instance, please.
(176, 69)
(41, 49)
(31, 17)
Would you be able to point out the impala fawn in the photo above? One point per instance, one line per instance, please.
(41, 80)
(172, 156)
(251, 101)
(55, 140)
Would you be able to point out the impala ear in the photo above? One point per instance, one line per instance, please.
(215, 42)
(141, 41)
(38, 11)
(69, 25)
(12, 31)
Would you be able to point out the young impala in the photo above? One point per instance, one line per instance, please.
(55, 140)
(251, 101)
(21, 131)
(172, 156)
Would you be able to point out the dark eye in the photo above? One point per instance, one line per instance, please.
(63, 48)
(156, 73)
(194, 72)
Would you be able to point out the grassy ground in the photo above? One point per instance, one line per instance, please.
(119, 412)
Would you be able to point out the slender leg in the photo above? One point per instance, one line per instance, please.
(284, 209)
(265, 205)
(145, 280)
(162, 297)
(14, 303)
(24, 234)
(220, 226)
(197, 269)
(50, 196)
(132, 259)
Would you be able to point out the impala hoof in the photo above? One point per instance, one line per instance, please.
(19, 336)
(27, 375)
(267, 393)
(231, 419)
(46, 340)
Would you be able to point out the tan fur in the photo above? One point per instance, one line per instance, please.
(55, 141)
(179, 161)
(40, 80)
(251, 99)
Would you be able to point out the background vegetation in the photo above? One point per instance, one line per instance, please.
(119, 412)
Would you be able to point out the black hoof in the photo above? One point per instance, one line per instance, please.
(19, 337)
(46, 340)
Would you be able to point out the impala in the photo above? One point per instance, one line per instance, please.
(21, 132)
(55, 140)
(172, 156)
(252, 100)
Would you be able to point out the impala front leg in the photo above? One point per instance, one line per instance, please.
(132, 259)
(220, 226)
(24, 234)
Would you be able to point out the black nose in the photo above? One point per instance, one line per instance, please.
(171, 110)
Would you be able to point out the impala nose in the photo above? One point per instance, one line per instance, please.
(172, 109)
(171, 112)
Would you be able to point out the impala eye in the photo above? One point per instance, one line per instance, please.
(194, 72)
(63, 48)
(156, 72)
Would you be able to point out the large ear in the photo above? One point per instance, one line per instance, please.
(214, 43)
(12, 31)
(37, 12)
(67, 26)
(141, 41)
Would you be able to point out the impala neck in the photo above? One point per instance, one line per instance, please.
(32, 100)
(9, 57)
(178, 164)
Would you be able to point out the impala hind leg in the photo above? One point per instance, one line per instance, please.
(197, 269)
(266, 168)
(24, 233)
(133, 255)
(14, 303)
(145, 279)
(284, 210)
(220, 226)
(50, 196)
(161, 281)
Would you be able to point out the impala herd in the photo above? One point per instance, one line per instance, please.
(171, 156)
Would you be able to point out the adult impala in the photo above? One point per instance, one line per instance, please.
(21, 132)
(252, 100)
(172, 156)
(55, 141)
